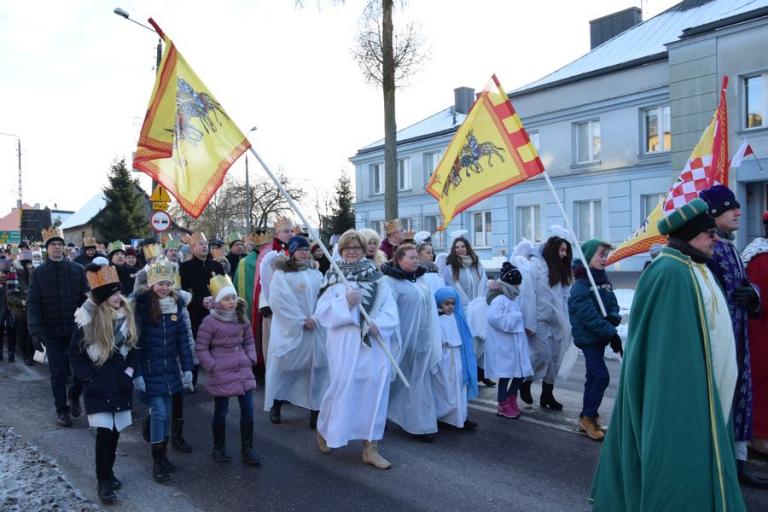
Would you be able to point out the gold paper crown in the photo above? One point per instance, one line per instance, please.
(106, 274)
(115, 246)
(151, 251)
(218, 283)
(234, 237)
(161, 271)
(282, 223)
(262, 238)
(194, 238)
(89, 241)
(170, 243)
(393, 225)
(52, 232)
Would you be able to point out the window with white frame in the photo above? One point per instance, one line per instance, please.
(481, 229)
(756, 105)
(377, 226)
(529, 222)
(407, 223)
(431, 223)
(588, 142)
(534, 136)
(377, 178)
(588, 216)
(431, 161)
(403, 174)
(648, 202)
(657, 129)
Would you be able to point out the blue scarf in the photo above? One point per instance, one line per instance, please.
(468, 359)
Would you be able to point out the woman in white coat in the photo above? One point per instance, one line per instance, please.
(413, 408)
(297, 363)
(355, 404)
(464, 273)
(547, 339)
(506, 346)
(427, 261)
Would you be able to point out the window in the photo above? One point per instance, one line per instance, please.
(529, 222)
(377, 226)
(431, 223)
(407, 224)
(588, 219)
(481, 229)
(431, 161)
(404, 174)
(588, 142)
(377, 179)
(534, 136)
(648, 202)
(755, 97)
(657, 129)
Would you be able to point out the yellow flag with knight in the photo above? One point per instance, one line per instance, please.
(490, 151)
(187, 142)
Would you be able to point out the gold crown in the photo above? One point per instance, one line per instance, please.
(282, 223)
(116, 246)
(151, 251)
(106, 274)
(89, 241)
(194, 238)
(161, 271)
(393, 225)
(170, 243)
(218, 283)
(52, 232)
(262, 238)
(234, 237)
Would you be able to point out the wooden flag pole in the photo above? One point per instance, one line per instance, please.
(578, 246)
(327, 254)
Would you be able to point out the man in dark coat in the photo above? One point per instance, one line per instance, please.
(236, 251)
(56, 289)
(87, 251)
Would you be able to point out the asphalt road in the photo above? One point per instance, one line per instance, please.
(535, 464)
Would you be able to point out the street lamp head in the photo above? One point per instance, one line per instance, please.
(121, 12)
(253, 129)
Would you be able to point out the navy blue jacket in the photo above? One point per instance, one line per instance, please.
(162, 347)
(107, 388)
(56, 290)
(587, 323)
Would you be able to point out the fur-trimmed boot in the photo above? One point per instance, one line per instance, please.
(371, 455)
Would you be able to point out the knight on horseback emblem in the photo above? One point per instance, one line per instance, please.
(191, 104)
(468, 160)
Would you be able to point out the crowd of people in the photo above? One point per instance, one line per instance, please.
(388, 330)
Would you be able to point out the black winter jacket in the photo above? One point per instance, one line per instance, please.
(106, 388)
(56, 290)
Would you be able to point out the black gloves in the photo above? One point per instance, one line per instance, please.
(614, 320)
(266, 312)
(746, 296)
(615, 344)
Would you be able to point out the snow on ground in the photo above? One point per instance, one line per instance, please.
(30, 481)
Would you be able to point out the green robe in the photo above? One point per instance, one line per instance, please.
(668, 446)
(246, 269)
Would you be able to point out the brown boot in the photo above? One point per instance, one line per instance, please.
(371, 455)
(321, 444)
(590, 427)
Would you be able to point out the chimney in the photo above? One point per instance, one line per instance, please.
(463, 98)
(607, 27)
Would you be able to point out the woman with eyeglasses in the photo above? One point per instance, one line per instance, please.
(355, 404)
(413, 408)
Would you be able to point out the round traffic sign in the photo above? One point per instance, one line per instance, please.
(160, 221)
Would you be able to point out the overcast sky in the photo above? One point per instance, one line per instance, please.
(76, 78)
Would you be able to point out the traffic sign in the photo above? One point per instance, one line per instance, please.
(160, 195)
(160, 221)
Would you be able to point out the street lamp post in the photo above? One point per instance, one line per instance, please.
(248, 204)
(18, 151)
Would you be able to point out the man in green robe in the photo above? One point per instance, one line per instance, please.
(669, 445)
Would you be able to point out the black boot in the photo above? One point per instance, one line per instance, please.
(106, 492)
(749, 478)
(170, 467)
(177, 437)
(525, 392)
(274, 411)
(247, 453)
(159, 471)
(313, 419)
(219, 452)
(482, 378)
(145, 426)
(548, 399)
(74, 405)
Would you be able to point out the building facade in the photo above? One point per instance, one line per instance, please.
(613, 129)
